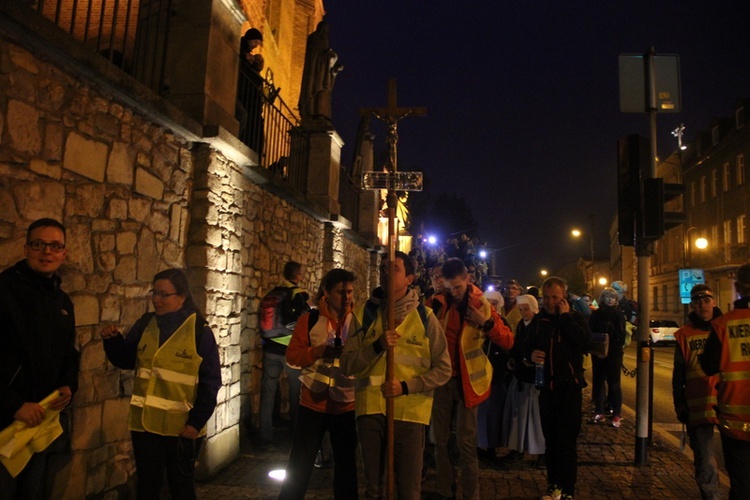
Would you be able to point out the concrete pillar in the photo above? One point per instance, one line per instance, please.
(324, 166)
(202, 61)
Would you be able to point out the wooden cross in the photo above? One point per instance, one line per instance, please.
(406, 181)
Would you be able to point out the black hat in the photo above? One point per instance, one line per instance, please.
(701, 291)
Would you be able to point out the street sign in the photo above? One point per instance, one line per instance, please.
(633, 89)
(688, 279)
(400, 181)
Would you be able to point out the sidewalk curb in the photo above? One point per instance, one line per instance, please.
(674, 442)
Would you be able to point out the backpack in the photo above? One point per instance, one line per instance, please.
(276, 313)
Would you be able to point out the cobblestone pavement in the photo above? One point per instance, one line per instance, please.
(605, 471)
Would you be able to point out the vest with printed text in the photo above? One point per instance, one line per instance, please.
(412, 358)
(700, 389)
(733, 389)
(166, 379)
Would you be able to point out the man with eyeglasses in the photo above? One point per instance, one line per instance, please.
(38, 354)
(694, 392)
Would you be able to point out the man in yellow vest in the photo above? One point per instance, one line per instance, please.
(694, 392)
(467, 319)
(38, 355)
(728, 354)
(421, 365)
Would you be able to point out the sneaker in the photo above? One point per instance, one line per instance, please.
(597, 419)
(321, 463)
(616, 422)
(553, 493)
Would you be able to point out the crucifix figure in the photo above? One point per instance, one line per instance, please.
(392, 180)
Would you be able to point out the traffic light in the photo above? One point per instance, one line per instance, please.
(632, 159)
(656, 221)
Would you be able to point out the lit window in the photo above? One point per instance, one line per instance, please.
(715, 235)
(741, 229)
(740, 169)
(714, 182)
(692, 194)
(726, 176)
(727, 232)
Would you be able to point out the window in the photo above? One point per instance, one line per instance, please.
(692, 194)
(656, 298)
(739, 117)
(703, 188)
(726, 176)
(715, 236)
(727, 232)
(741, 229)
(715, 135)
(714, 182)
(664, 298)
(740, 169)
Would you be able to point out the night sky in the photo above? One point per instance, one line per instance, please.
(523, 102)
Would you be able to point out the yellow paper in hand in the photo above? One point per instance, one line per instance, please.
(18, 442)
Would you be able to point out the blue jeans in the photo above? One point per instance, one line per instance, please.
(273, 364)
(706, 473)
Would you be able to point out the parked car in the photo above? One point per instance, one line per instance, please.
(661, 331)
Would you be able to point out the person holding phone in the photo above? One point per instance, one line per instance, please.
(562, 336)
(327, 395)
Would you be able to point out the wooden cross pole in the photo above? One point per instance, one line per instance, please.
(392, 181)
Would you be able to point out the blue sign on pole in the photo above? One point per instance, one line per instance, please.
(688, 279)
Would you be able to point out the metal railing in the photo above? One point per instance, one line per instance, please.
(131, 34)
(270, 128)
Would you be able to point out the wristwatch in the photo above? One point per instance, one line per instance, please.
(488, 325)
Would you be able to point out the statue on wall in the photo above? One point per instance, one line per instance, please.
(321, 68)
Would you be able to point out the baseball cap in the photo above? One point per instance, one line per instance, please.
(701, 291)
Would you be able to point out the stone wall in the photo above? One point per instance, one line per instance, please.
(138, 198)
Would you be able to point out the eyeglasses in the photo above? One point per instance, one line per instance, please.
(39, 246)
(160, 294)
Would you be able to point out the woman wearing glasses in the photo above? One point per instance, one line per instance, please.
(177, 377)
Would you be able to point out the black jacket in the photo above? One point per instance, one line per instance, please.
(564, 338)
(610, 320)
(37, 339)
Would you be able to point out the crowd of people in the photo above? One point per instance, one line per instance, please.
(473, 372)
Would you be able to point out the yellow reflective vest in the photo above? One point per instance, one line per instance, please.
(475, 367)
(166, 380)
(412, 358)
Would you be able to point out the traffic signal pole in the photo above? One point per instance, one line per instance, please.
(643, 252)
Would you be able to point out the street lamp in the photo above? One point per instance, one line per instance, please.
(687, 251)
